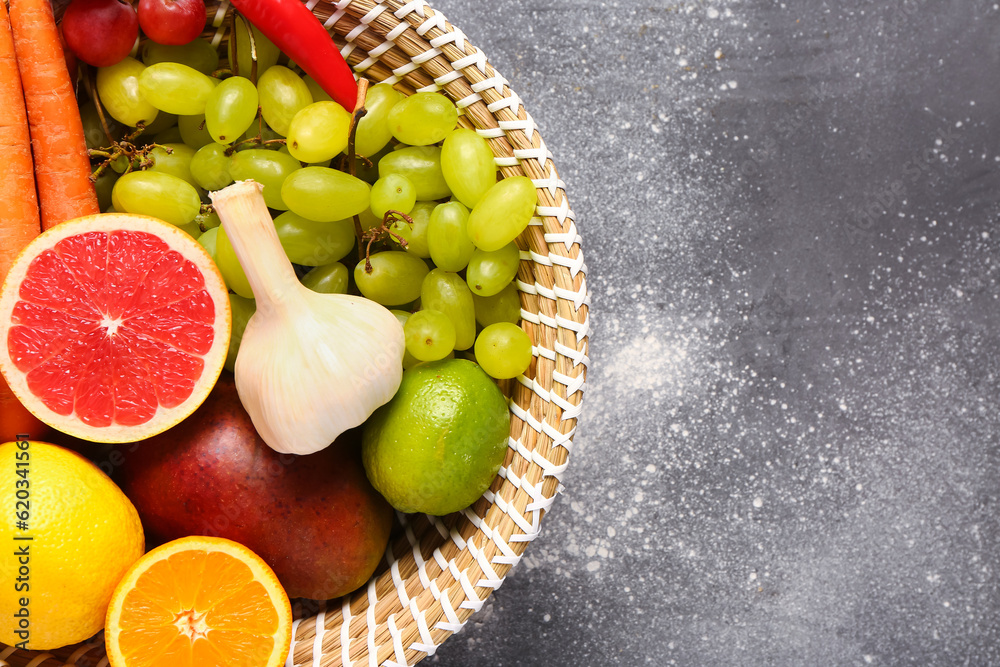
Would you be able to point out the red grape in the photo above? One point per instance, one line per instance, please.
(100, 32)
(172, 21)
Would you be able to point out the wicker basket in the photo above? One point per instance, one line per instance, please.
(440, 570)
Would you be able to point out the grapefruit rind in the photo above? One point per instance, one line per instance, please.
(262, 574)
(214, 359)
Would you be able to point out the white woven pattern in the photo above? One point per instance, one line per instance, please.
(218, 22)
(295, 627)
(317, 650)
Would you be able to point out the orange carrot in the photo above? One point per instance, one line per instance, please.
(62, 166)
(18, 207)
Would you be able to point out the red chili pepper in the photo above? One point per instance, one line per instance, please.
(300, 35)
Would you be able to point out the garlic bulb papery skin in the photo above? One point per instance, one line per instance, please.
(310, 365)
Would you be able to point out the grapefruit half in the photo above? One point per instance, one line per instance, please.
(114, 327)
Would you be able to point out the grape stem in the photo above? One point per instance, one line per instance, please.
(235, 65)
(390, 220)
(253, 47)
(90, 83)
(118, 148)
(358, 159)
(352, 167)
(205, 211)
(259, 140)
(126, 148)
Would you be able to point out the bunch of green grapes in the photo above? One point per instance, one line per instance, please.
(439, 228)
(455, 225)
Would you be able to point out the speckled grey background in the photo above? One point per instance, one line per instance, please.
(789, 452)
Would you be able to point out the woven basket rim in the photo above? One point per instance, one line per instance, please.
(440, 570)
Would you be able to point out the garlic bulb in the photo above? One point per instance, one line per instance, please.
(310, 365)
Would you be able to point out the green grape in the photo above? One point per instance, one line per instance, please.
(103, 186)
(318, 132)
(193, 131)
(312, 243)
(118, 89)
(324, 194)
(324, 163)
(423, 119)
(401, 316)
(490, 272)
(429, 335)
(93, 131)
(373, 129)
(503, 213)
(229, 265)
(369, 220)
(503, 350)
(415, 235)
(208, 220)
(395, 279)
(447, 237)
(505, 306)
(231, 109)
(158, 195)
(269, 168)
(267, 52)
(176, 163)
(367, 168)
(392, 193)
(420, 164)
(318, 94)
(260, 133)
(282, 93)
(191, 229)
(468, 166)
(171, 135)
(163, 122)
(120, 164)
(447, 292)
(176, 88)
(409, 361)
(242, 310)
(115, 204)
(198, 54)
(209, 240)
(327, 279)
(210, 167)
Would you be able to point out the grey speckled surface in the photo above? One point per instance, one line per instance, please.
(789, 452)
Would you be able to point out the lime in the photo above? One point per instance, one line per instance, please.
(438, 444)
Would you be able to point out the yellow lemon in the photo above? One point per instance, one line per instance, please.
(67, 537)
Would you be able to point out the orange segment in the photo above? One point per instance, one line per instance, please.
(230, 575)
(247, 612)
(199, 602)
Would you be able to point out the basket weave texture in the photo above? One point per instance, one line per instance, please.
(440, 570)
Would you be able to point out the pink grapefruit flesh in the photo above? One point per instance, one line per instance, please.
(117, 327)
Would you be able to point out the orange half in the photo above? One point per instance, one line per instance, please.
(199, 602)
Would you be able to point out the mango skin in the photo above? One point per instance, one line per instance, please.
(316, 520)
